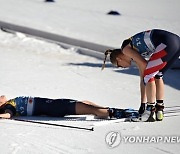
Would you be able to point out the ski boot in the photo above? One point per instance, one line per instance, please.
(122, 113)
(159, 112)
(148, 115)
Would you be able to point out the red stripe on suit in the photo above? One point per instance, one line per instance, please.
(155, 63)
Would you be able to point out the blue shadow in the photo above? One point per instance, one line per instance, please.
(171, 77)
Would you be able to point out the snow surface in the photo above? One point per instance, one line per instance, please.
(34, 67)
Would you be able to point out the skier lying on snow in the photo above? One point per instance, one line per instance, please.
(36, 106)
(154, 52)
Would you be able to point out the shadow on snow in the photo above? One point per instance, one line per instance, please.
(171, 77)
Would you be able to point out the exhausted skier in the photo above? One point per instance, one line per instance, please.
(36, 106)
(153, 51)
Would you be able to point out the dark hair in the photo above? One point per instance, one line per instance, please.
(113, 54)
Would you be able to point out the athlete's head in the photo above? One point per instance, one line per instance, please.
(3, 100)
(117, 58)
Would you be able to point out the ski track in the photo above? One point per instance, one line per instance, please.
(160, 150)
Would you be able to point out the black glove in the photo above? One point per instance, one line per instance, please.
(142, 108)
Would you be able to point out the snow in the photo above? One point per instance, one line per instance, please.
(87, 20)
(33, 67)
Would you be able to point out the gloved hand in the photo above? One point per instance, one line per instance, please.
(142, 108)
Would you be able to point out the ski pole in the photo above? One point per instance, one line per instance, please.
(58, 125)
